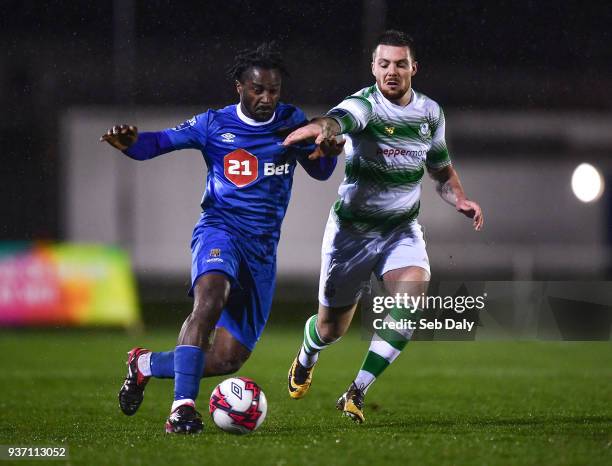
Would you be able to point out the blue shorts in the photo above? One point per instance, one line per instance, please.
(251, 267)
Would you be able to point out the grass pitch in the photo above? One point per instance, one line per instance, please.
(440, 403)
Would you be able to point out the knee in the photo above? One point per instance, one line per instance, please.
(330, 332)
(208, 306)
(211, 293)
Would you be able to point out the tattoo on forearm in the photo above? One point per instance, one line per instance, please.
(445, 190)
(329, 128)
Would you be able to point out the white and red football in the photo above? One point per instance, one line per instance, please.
(238, 405)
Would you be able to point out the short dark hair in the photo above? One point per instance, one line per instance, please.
(396, 38)
(267, 56)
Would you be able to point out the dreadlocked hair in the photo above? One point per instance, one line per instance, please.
(267, 56)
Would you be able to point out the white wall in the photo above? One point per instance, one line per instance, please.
(532, 217)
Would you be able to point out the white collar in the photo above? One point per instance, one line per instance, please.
(250, 121)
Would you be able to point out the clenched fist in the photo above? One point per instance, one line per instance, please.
(121, 136)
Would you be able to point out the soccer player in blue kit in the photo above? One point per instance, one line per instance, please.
(250, 174)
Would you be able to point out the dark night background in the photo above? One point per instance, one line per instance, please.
(472, 55)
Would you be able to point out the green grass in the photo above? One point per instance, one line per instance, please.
(440, 403)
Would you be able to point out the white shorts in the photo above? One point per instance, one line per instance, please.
(349, 259)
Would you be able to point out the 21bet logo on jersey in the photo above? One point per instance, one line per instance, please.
(242, 168)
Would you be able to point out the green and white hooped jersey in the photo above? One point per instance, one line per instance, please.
(388, 147)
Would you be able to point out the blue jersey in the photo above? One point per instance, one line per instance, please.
(250, 172)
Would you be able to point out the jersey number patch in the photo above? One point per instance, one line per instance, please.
(240, 167)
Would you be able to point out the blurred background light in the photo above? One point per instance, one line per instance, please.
(587, 183)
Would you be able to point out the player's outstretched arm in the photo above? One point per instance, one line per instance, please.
(323, 131)
(143, 146)
(450, 190)
(121, 136)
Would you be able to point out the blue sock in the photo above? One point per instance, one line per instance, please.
(162, 365)
(188, 369)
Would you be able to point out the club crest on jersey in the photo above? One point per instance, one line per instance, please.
(215, 255)
(389, 130)
(228, 137)
(185, 124)
(424, 129)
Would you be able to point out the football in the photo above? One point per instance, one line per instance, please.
(238, 405)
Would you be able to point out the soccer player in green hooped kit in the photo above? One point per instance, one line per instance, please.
(393, 134)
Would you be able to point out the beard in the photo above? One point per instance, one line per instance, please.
(394, 93)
